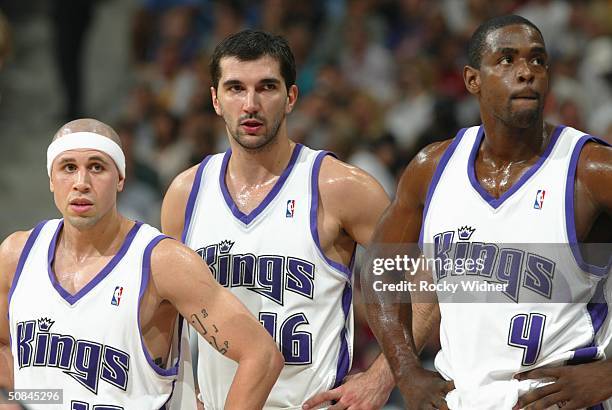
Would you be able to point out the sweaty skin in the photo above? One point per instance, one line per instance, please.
(511, 85)
(85, 183)
(253, 100)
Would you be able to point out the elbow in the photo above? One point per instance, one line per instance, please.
(275, 360)
(278, 361)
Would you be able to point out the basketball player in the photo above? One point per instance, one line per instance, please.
(515, 179)
(92, 298)
(278, 224)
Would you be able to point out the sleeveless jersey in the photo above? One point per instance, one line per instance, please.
(552, 310)
(272, 261)
(89, 344)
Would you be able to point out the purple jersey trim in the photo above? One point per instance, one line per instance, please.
(436, 178)
(497, 202)
(72, 299)
(344, 359)
(597, 407)
(247, 219)
(570, 220)
(193, 196)
(181, 320)
(314, 208)
(583, 355)
(23, 257)
(598, 308)
(144, 282)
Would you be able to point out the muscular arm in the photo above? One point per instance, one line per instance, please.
(351, 203)
(175, 202)
(392, 320)
(583, 385)
(10, 250)
(341, 184)
(593, 196)
(180, 276)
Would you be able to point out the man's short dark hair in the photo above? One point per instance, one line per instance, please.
(477, 45)
(250, 45)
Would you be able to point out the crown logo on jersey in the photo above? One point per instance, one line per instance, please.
(44, 324)
(465, 233)
(226, 246)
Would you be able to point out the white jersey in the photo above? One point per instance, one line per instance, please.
(88, 344)
(545, 316)
(271, 260)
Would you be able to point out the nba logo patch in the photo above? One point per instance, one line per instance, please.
(539, 200)
(290, 208)
(117, 296)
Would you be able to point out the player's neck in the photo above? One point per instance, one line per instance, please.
(103, 238)
(257, 167)
(507, 144)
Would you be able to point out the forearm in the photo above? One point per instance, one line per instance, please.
(253, 381)
(425, 318)
(6, 367)
(607, 375)
(389, 315)
(392, 326)
(381, 372)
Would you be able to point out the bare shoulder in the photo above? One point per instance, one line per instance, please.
(431, 154)
(338, 179)
(169, 255)
(417, 176)
(175, 202)
(10, 251)
(352, 197)
(595, 158)
(594, 171)
(182, 183)
(171, 261)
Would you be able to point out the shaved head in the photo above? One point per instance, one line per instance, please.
(88, 125)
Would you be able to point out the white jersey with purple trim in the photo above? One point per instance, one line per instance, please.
(546, 314)
(271, 260)
(88, 344)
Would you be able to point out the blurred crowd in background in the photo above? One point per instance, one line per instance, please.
(378, 80)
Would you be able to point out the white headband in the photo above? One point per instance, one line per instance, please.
(85, 140)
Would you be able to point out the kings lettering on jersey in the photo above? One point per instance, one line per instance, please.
(268, 275)
(85, 361)
(516, 268)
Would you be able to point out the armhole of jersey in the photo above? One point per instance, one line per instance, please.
(23, 257)
(172, 369)
(314, 209)
(570, 219)
(193, 196)
(436, 178)
(343, 365)
(178, 334)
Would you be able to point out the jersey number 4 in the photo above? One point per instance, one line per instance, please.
(295, 345)
(526, 332)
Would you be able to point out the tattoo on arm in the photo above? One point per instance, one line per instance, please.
(209, 332)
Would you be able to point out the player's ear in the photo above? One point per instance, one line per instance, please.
(292, 95)
(120, 183)
(471, 78)
(50, 184)
(215, 101)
